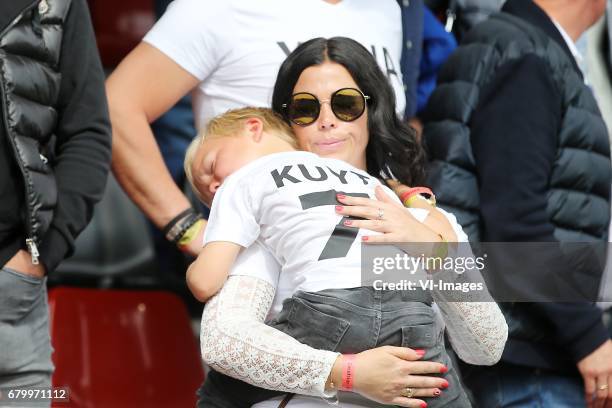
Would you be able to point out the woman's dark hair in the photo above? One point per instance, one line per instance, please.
(392, 144)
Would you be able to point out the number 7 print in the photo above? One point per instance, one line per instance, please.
(342, 238)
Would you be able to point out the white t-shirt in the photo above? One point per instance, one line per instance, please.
(235, 47)
(286, 201)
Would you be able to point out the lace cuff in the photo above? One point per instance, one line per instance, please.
(235, 341)
(476, 326)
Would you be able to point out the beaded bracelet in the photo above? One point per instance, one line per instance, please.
(408, 196)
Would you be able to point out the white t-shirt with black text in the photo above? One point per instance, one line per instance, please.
(235, 47)
(286, 202)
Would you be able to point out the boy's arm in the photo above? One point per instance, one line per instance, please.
(207, 274)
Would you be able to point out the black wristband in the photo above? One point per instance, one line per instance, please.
(176, 219)
(182, 226)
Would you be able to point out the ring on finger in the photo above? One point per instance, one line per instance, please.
(408, 392)
(381, 213)
(603, 387)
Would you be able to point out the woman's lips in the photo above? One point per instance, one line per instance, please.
(329, 145)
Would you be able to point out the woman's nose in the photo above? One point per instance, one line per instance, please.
(327, 119)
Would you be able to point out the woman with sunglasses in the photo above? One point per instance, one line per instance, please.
(340, 105)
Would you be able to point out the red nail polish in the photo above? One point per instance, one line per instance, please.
(445, 384)
(348, 222)
(339, 208)
(437, 393)
(340, 196)
(423, 405)
(444, 369)
(420, 352)
(364, 238)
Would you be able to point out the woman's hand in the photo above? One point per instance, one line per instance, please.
(383, 375)
(396, 224)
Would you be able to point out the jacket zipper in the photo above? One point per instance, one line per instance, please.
(30, 241)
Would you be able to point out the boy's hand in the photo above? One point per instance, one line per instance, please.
(194, 247)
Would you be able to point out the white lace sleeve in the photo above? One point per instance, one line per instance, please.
(477, 330)
(476, 326)
(235, 341)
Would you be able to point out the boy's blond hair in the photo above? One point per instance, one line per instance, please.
(230, 124)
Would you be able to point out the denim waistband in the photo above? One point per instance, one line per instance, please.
(367, 299)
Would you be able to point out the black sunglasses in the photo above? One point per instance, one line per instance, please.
(348, 104)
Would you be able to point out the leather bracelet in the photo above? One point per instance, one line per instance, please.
(176, 219)
(184, 225)
(175, 229)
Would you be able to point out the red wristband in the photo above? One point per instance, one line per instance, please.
(413, 191)
(348, 372)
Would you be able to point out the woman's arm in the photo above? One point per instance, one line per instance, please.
(236, 342)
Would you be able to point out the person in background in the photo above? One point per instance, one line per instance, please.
(55, 146)
(224, 56)
(599, 75)
(519, 153)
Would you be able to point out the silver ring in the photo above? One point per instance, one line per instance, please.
(381, 213)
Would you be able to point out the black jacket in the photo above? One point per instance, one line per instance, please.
(520, 153)
(55, 130)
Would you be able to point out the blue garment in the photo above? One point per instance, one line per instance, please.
(412, 41)
(438, 45)
(510, 386)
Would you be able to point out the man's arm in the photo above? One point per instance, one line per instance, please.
(514, 140)
(207, 274)
(144, 86)
(82, 156)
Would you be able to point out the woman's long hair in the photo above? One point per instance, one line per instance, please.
(393, 149)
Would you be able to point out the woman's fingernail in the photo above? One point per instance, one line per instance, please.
(423, 405)
(364, 238)
(437, 392)
(445, 384)
(444, 369)
(420, 352)
(348, 222)
(339, 208)
(340, 196)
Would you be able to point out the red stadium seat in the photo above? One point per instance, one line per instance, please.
(119, 26)
(123, 349)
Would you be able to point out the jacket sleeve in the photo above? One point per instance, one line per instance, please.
(83, 146)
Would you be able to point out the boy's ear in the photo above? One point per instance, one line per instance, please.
(254, 127)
